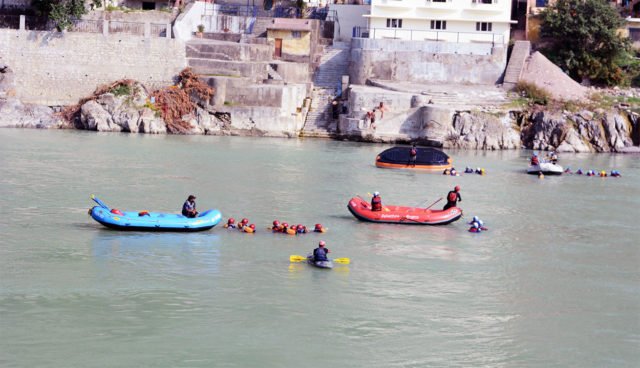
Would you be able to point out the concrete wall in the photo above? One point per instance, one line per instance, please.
(415, 61)
(187, 22)
(349, 16)
(152, 16)
(59, 68)
(223, 50)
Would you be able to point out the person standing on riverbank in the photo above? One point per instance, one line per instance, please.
(453, 198)
(189, 207)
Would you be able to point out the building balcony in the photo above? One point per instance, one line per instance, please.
(438, 5)
(393, 4)
(489, 6)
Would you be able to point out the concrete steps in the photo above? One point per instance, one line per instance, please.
(319, 121)
(519, 54)
(334, 63)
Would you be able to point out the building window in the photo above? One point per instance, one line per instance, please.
(394, 23)
(296, 34)
(148, 5)
(439, 24)
(483, 26)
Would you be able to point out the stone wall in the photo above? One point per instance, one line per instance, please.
(421, 62)
(59, 68)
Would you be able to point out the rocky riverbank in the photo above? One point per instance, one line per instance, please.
(535, 127)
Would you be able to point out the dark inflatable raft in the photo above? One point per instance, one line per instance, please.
(427, 159)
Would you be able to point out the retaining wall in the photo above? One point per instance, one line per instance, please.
(420, 61)
(53, 68)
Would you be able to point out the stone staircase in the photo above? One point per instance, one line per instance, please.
(519, 55)
(334, 63)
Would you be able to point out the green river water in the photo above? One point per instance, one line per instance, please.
(555, 282)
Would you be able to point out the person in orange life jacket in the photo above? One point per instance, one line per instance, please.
(534, 159)
(284, 228)
(243, 223)
(318, 228)
(376, 202)
(231, 223)
(453, 198)
(320, 253)
(189, 207)
(413, 155)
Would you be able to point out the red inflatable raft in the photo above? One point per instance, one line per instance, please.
(361, 209)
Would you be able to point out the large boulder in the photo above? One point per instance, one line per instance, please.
(478, 130)
(151, 123)
(14, 113)
(94, 116)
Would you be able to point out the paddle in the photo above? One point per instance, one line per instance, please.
(99, 202)
(296, 258)
(433, 204)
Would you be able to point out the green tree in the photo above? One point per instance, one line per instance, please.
(584, 40)
(62, 12)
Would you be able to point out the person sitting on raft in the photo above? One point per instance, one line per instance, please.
(319, 229)
(453, 198)
(231, 223)
(189, 207)
(534, 160)
(320, 253)
(376, 202)
(413, 155)
(553, 157)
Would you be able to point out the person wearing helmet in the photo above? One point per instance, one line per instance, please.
(284, 227)
(376, 202)
(319, 229)
(189, 207)
(231, 223)
(301, 229)
(553, 157)
(243, 223)
(413, 155)
(534, 159)
(320, 253)
(276, 226)
(453, 197)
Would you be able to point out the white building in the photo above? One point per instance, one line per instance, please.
(441, 20)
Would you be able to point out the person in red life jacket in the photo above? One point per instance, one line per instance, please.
(320, 253)
(276, 226)
(413, 155)
(534, 159)
(231, 223)
(376, 202)
(453, 198)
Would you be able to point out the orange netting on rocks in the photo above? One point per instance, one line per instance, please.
(177, 101)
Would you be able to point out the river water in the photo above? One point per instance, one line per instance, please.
(555, 282)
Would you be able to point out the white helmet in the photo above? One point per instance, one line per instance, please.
(375, 194)
(475, 218)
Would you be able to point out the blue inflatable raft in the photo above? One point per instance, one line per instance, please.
(152, 221)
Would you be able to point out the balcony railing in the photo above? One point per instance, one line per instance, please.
(428, 35)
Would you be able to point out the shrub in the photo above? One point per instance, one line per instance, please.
(534, 93)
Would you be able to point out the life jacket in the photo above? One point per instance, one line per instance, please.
(376, 203)
(320, 254)
(452, 196)
(534, 160)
